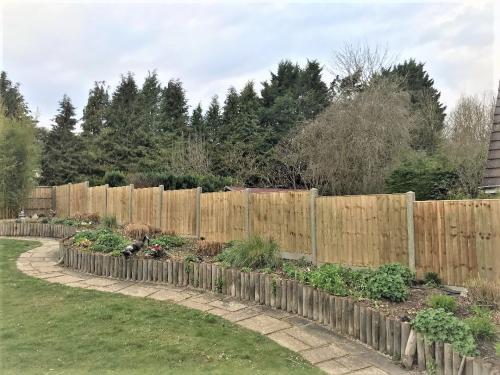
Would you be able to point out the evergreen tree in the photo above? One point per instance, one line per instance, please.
(149, 102)
(230, 115)
(425, 99)
(14, 105)
(61, 160)
(94, 112)
(213, 120)
(197, 123)
(174, 109)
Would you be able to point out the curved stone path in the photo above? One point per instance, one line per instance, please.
(325, 349)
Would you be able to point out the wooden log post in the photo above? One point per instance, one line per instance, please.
(375, 329)
(300, 299)
(448, 359)
(430, 352)
(140, 268)
(251, 291)
(410, 350)
(369, 327)
(338, 313)
(397, 340)
(262, 286)
(439, 357)
(257, 288)
(405, 333)
(456, 362)
(389, 327)
(362, 324)
(332, 312)
(382, 333)
(356, 321)
(469, 369)
(350, 314)
(420, 352)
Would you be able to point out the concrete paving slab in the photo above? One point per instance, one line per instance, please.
(264, 324)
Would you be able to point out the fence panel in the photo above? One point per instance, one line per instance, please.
(223, 216)
(78, 199)
(178, 212)
(284, 217)
(39, 201)
(458, 239)
(97, 200)
(119, 203)
(146, 206)
(62, 200)
(362, 230)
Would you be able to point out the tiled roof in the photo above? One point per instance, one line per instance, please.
(492, 172)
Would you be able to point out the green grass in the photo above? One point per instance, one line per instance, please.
(52, 329)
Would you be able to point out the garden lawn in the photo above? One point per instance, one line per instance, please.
(53, 329)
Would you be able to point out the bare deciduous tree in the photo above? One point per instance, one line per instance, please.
(467, 132)
(353, 145)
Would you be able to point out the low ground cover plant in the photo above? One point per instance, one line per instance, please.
(441, 301)
(255, 253)
(481, 324)
(440, 325)
(167, 241)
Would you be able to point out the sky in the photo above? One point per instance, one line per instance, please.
(56, 48)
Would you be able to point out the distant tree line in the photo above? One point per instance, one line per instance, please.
(379, 126)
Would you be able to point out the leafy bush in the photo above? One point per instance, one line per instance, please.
(396, 269)
(109, 222)
(108, 242)
(358, 281)
(331, 278)
(296, 272)
(208, 183)
(484, 292)
(432, 279)
(481, 324)
(167, 241)
(441, 301)
(386, 285)
(114, 179)
(90, 235)
(439, 325)
(254, 252)
(66, 221)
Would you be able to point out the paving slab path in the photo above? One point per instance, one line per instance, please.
(332, 353)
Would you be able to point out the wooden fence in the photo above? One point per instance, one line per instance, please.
(39, 201)
(456, 239)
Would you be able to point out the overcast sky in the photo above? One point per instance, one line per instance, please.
(56, 48)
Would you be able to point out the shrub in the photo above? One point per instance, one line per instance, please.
(209, 248)
(65, 221)
(432, 279)
(109, 222)
(137, 231)
(208, 183)
(114, 179)
(331, 278)
(441, 301)
(297, 272)
(484, 292)
(358, 281)
(108, 242)
(481, 324)
(389, 286)
(396, 269)
(254, 252)
(439, 325)
(90, 235)
(167, 241)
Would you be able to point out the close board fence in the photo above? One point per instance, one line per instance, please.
(457, 239)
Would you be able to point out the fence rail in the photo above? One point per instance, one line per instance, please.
(456, 239)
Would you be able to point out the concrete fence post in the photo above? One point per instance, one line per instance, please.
(160, 206)
(248, 203)
(198, 212)
(312, 212)
(106, 187)
(69, 200)
(87, 194)
(130, 202)
(410, 199)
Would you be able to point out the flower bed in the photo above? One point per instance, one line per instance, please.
(375, 307)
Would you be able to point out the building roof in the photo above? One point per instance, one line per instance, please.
(262, 190)
(492, 172)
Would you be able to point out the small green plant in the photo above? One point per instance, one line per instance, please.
(66, 221)
(168, 241)
(432, 279)
(108, 242)
(442, 301)
(246, 269)
(219, 284)
(109, 222)
(389, 286)
(255, 253)
(295, 272)
(439, 325)
(331, 278)
(396, 269)
(481, 324)
(188, 259)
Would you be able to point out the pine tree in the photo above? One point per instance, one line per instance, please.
(425, 99)
(197, 123)
(61, 161)
(13, 103)
(213, 120)
(174, 109)
(94, 112)
(230, 116)
(149, 102)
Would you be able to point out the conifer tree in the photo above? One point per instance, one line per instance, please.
(174, 109)
(94, 112)
(13, 103)
(61, 160)
(213, 120)
(149, 102)
(197, 123)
